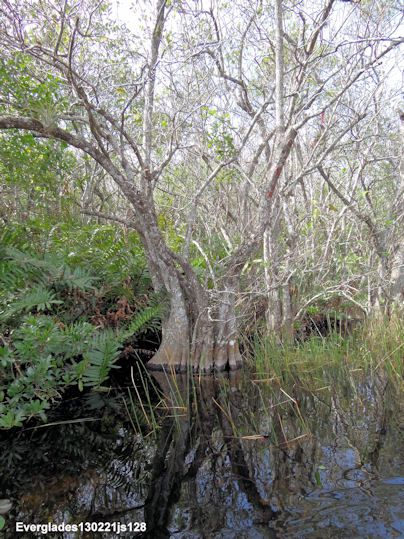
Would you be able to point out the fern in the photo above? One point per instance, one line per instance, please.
(144, 319)
(38, 298)
(103, 352)
(51, 270)
(25, 260)
(77, 278)
(12, 277)
(45, 301)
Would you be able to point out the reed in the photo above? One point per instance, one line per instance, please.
(271, 389)
(377, 344)
(154, 397)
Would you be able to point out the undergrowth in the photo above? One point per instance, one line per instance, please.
(377, 344)
(65, 321)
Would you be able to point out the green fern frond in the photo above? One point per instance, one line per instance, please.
(144, 319)
(51, 270)
(24, 259)
(103, 352)
(38, 298)
(77, 278)
(12, 277)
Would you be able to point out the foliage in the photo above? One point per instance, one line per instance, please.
(45, 345)
(35, 167)
(116, 257)
(98, 359)
(145, 318)
(25, 92)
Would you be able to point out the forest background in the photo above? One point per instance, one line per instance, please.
(209, 171)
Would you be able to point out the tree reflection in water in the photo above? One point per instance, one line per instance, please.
(231, 458)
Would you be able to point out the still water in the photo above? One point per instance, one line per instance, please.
(232, 457)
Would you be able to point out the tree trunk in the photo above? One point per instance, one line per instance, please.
(397, 266)
(226, 339)
(287, 314)
(397, 277)
(174, 351)
(199, 333)
(273, 313)
(202, 337)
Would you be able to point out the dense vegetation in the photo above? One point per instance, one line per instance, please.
(73, 299)
(256, 188)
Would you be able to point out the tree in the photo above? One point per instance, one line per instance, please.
(223, 103)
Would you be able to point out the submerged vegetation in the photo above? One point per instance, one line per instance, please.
(279, 376)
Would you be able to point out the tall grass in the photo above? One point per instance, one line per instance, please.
(377, 344)
(263, 403)
(155, 397)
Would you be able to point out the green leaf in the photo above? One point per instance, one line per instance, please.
(100, 358)
(318, 478)
(143, 319)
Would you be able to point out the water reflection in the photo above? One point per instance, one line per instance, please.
(230, 458)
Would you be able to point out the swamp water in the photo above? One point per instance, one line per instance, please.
(235, 457)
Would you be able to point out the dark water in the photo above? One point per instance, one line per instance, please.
(230, 458)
